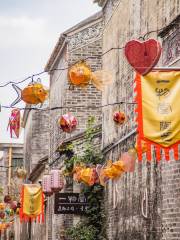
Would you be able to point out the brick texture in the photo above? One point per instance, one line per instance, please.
(126, 20)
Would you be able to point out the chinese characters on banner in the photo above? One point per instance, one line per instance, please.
(32, 203)
(158, 112)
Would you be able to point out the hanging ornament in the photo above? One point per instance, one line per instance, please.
(113, 170)
(81, 75)
(2, 206)
(21, 173)
(143, 56)
(128, 162)
(102, 178)
(46, 185)
(13, 205)
(2, 215)
(34, 93)
(14, 123)
(7, 199)
(68, 123)
(57, 180)
(119, 117)
(87, 175)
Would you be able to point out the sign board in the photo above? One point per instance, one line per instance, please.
(70, 203)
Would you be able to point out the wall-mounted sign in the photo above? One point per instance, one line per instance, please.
(70, 203)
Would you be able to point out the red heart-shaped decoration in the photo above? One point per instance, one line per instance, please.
(143, 56)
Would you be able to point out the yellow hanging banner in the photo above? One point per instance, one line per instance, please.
(158, 112)
(32, 201)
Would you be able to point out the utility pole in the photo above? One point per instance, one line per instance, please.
(9, 169)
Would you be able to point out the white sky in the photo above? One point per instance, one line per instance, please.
(29, 31)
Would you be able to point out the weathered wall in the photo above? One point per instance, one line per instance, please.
(36, 138)
(85, 41)
(125, 20)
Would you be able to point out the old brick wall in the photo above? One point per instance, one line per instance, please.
(125, 20)
(36, 137)
(83, 42)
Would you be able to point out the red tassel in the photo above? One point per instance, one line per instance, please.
(148, 153)
(158, 153)
(176, 152)
(139, 148)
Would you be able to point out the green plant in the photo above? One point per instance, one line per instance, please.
(82, 232)
(92, 227)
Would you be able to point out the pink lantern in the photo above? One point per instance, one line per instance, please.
(46, 185)
(129, 162)
(57, 180)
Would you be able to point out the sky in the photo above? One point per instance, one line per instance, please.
(29, 31)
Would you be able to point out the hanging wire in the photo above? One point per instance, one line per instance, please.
(89, 57)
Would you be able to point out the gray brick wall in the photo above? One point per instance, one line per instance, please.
(62, 95)
(128, 20)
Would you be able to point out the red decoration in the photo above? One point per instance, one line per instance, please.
(13, 205)
(7, 199)
(119, 117)
(143, 56)
(2, 215)
(15, 123)
(68, 123)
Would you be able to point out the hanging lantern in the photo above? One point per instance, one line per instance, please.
(2, 206)
(13, 205)
(80, 74)
(34, 93)
(68, 123)
(7, 199)
(21, 173)
(46, 185)
(57, 180)
(2, 215)
(128, 161)
(119, 117)
(14, 123)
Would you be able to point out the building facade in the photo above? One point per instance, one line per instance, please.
(80, 42)
(144, 204)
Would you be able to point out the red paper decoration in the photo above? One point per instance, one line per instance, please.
(143, 56)
(7, 199)
(119, 117)
(68, 123)
(15, 123)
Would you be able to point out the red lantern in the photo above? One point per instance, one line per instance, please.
(46, 185)
(57, 180)
(119, 117)
(7, 199)
(68, 123)
(2, 215)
